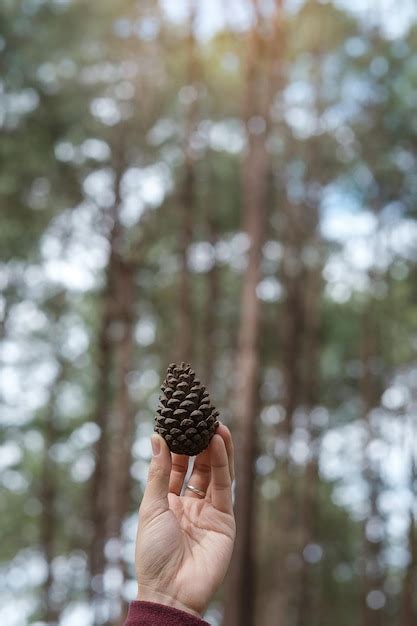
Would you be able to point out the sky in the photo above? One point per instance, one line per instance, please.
(394, 16)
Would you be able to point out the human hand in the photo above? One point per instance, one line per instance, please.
(184, 543)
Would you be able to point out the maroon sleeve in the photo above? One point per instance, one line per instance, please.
(143, 613)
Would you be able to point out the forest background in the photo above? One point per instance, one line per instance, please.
(232, 184)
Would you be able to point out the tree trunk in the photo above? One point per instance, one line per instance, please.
(114, 414)
(409, 601)
(212, 301)
(50, 613)
(185, 340)
(240, 602)
(99, 503)
(309, 505)
(292, 329)
(121, 424)
(373, 574)
(4, 318)
(185, 315)
(48, 495)
(240, 610)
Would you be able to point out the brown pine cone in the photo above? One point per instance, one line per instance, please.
(185, 417)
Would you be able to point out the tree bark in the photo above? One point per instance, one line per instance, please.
(212, 300)
(292, 332)
(309, 506)
(48, 495)
(111, 481)
(4, 318)
(185, 343)
(110, 485)
(240, 602)
(121, 424)
(409, 602)
(185, 313)
(373, 575)
(409, 608)
(50, 613)
(239, 610)
(99, 503)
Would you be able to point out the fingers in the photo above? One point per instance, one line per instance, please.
(221, 484)
(201, 474)
(200, 477)
(226, 435)
(155, 498)
(178, 472)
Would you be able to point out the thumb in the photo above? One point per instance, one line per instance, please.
(155, 498)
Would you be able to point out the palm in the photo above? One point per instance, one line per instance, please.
(192, 553)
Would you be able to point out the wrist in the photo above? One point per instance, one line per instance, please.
(150, 595)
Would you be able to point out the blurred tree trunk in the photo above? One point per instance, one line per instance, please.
(302, 279)
(239, 607)
(309, 504)
(185, 318)
(409, 599)
(99, 501)
(121, 424)
(409, 608)
(114, 415)
(309, 600)
(49, 488)
(48, 493)
(260, 62)
(292, 328)
(185, 343)
(4, 318)
(373, 573)
(212, 298)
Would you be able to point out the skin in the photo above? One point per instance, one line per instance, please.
(184, 542)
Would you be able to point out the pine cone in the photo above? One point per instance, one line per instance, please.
(185, 417)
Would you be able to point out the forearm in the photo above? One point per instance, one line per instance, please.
(143, 613)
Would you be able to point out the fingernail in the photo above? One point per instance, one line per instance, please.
(156, 445)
